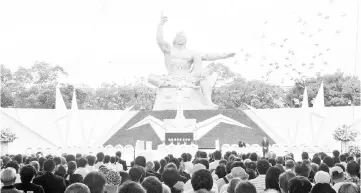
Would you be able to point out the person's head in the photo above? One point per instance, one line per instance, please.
(323, 167)
(100, 156)
(328, 161)
(202, 179)
(124, 175)
(35, 164)
(349, 158)
(272, 161)
(337, 174)
(6, 160)
(322, 188)
(8, 176)
(221, 171)
(302, 169)
(175, 161)
(113, 159)
(341, 166)
(77, 188)
(106, 159)
(27, 173)
(13, 164)
(135, 174)
(82, 162)
(156, 165)
(152, 185)
(140, 161)
(253, 157)
(353, 168)
(91, 160)
(299, 184)
(284, 178)
(70, 157)
(57, 160)
(304, 155)
(95, 182)
(49, 165)
(131, 187)
(149, 166)
(322, 177)
(262, 166)
(18, 158)
(204, 162)
(272, 178)
(343, 158)
(217, 155)
(71, 167)
(239, 172)
(349, 188)
(245, 187)
(170, 177)
(265, 138)
(163, 163)
(184, 156)
(189, 157)
(233, 184)
(316, 160)
(118, 154)
(180, 39)
(280, 160)
(336, 153)
(60, 170)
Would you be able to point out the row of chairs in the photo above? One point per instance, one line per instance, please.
(278, 148)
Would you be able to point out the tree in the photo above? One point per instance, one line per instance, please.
(339, 90)
(6, 88)
(255, 93)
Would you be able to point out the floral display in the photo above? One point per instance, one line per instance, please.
(7, 136)
(354, 149)
(344, 133)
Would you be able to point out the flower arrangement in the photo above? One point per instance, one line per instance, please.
(7, 136)
(354, 149)
(344, 134)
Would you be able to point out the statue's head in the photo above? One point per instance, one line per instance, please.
(180, 39)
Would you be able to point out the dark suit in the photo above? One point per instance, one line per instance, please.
(265, 145)
(50, 183)
(124, 164)
(29, 187)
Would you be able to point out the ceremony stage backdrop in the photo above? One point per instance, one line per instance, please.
(51, 128)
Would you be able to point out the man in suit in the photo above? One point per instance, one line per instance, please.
(50, 182)
(265, 145)
(122, 162)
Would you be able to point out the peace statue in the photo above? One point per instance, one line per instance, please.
(185, 66)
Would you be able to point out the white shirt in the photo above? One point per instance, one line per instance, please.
(259, 182)
(91, 168)
(82, 171)
(188, 167)
(214, 165)
(97, 165)
(338, 185)
(118, 167)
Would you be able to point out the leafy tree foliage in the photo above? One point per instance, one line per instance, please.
(339, 90)
(35, 87)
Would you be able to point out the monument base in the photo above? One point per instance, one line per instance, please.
(192, 99)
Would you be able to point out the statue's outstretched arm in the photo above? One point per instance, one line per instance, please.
(163, 45)
(215, 56)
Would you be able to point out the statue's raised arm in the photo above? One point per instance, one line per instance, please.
(215, 56)
(163, 45)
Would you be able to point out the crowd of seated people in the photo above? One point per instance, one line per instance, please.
(203, 173)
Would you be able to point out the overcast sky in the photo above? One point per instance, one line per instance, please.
(107, 40)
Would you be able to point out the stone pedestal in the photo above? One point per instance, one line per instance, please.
(192, 99)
